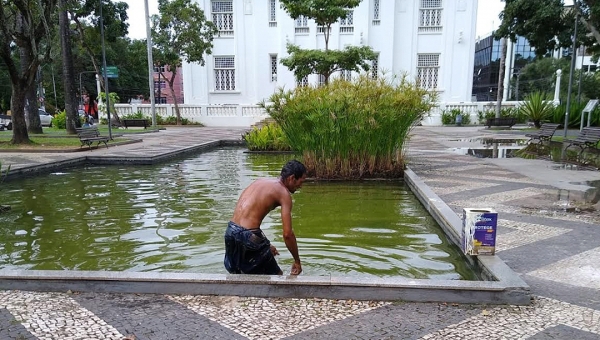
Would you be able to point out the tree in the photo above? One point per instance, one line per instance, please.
(24, 24)
(324, 13)
(180, 32)
(548, 24)
(85, 14)
(72, 114)
(305, 62)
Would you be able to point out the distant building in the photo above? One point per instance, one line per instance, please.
(518, 54)
(487, 65)
(432, 41)
(162, 92)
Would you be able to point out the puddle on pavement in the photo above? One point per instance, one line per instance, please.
(489, 147)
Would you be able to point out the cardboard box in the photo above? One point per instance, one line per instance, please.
(479, 231)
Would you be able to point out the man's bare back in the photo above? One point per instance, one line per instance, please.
(257, 200)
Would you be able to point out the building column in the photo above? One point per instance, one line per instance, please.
(508, 65)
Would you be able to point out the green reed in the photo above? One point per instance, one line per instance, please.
(351, 129)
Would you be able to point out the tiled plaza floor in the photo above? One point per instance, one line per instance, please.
(556, 252)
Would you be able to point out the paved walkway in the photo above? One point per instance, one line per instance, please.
(555, 250)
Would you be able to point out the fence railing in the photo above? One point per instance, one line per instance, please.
(246, 115)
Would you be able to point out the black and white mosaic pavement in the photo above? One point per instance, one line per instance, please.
(554, 249)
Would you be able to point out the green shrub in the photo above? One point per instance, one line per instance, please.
(351, 129)
(267, 138)
(575, 111)
(449, 117)
(537, 108)
(59, 120)
(482, 116)
(172, 120)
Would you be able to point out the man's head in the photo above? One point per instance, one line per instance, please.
(293, 175)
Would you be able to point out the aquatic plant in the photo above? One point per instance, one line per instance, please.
(352, 129)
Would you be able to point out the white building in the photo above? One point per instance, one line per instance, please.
(431, 40)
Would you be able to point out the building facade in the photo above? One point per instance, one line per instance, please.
(162, 92)
(432, 41)
(518, 54)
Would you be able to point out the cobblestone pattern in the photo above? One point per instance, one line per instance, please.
(520, 322)
(10, 328)
(522, 234)
(395, 321)
(259, 318)
(152, 317)
(55, 316)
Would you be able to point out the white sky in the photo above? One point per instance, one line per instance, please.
(137, 16)
(487, 16)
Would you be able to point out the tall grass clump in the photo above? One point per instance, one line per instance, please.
(352, 129)
(267, 138)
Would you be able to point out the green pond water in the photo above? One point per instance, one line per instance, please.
(171, 218)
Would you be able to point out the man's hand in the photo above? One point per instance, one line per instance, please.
(274, 250)
(296, 268)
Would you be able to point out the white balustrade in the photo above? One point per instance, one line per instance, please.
(246, 115)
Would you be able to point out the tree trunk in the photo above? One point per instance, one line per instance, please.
(171, 82)
(500, 95)
(72, 115)
(32, 118)
(31, 108)
(17, 106)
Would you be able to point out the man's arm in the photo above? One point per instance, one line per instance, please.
(288, 233)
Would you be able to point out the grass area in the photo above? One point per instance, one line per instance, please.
(51, 139)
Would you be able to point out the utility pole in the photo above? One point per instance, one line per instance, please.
(150, 65)
(500, 94)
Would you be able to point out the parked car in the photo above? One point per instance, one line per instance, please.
(5, 122)
(45, 118)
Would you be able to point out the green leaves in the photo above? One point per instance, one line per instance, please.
(351, 129)
(323, 12)
(181, 31)
(306, 62)
(537, 108)
(548, 24)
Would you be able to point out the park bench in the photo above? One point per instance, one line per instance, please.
(587, 139)
(502, 121)
(135, 122)
(89, 135)
(544, 134)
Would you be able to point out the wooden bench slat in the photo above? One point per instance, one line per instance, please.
(89, 135)
(588, 138)
(544, 134)
(135, 122)
(502, 121)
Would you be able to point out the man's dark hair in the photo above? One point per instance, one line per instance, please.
(293, 167)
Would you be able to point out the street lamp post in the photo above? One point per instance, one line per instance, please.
(572, 70)
(104, 72)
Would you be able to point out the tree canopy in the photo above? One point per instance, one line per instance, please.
(324, 13)
(549, 24)
(180, 32)
(305, 62)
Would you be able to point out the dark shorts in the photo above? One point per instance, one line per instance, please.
(248, 251)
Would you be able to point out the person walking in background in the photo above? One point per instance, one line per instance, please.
(90, 106)
(247, 249)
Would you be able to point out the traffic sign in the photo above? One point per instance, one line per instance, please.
(111, 72)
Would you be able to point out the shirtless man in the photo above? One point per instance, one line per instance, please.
(247, 250)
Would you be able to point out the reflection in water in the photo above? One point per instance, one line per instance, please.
(171, 217)
(490, 147)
